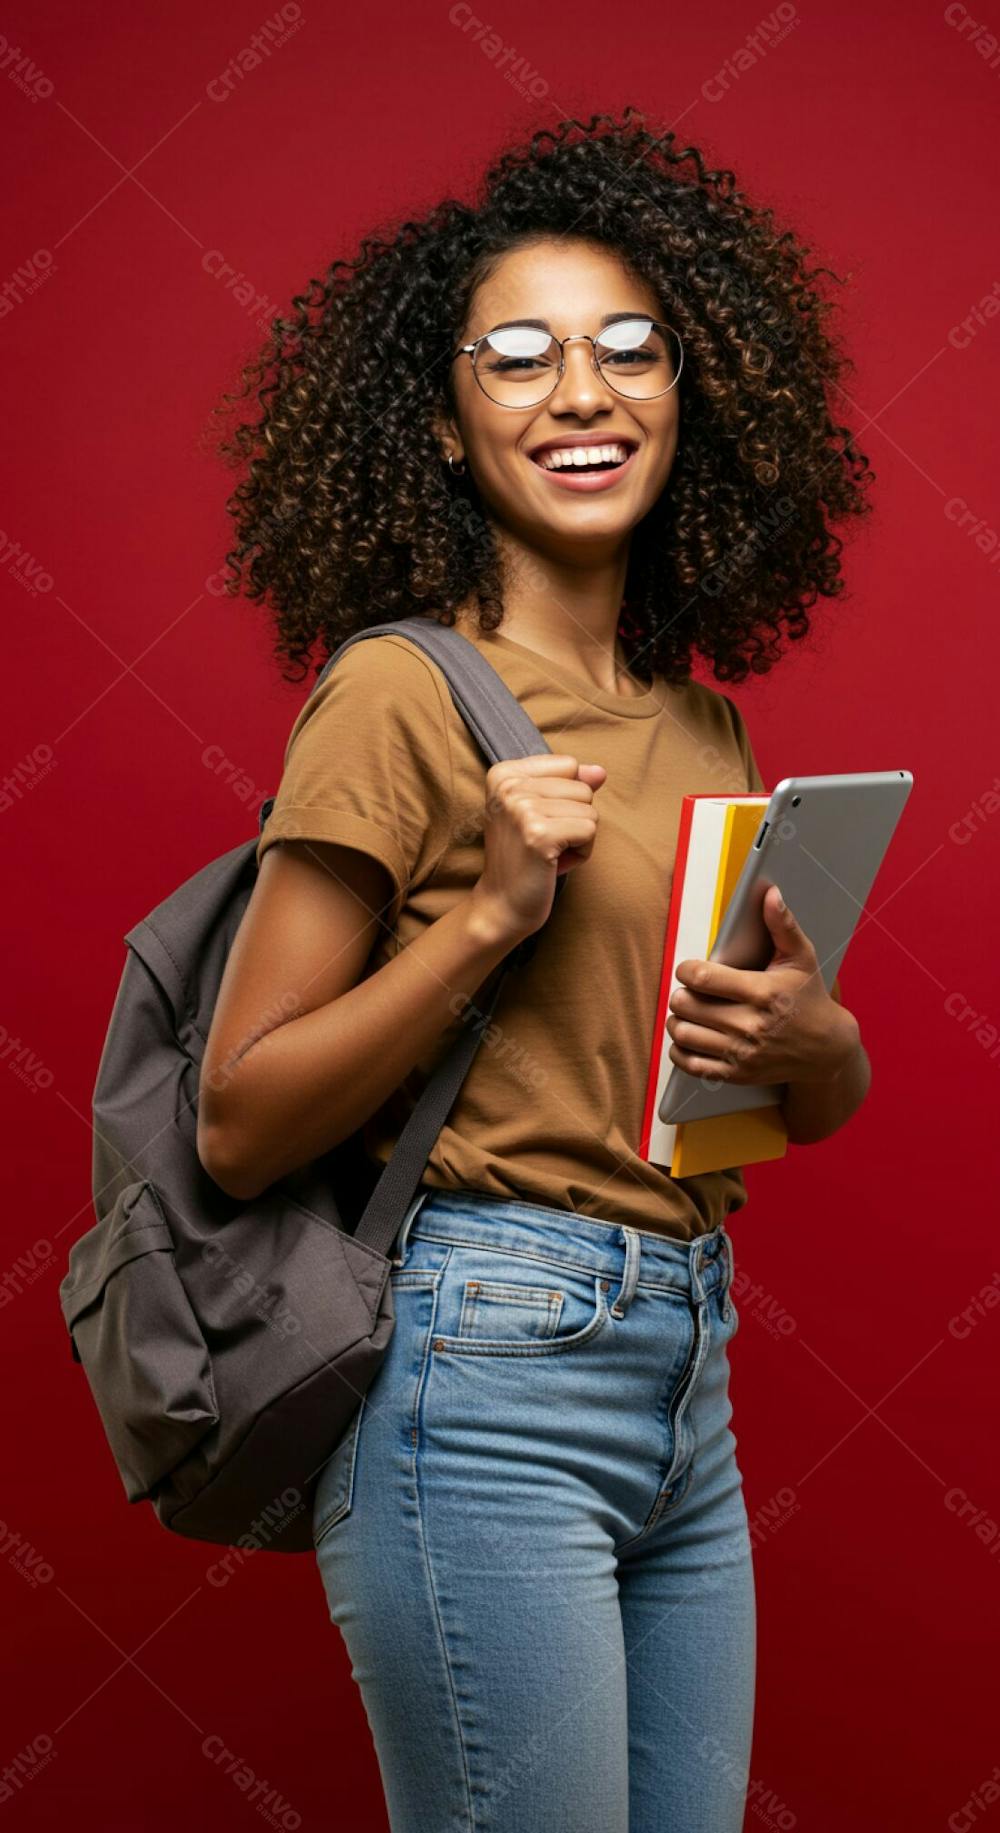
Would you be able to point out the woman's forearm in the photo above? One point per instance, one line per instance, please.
(308, 1083)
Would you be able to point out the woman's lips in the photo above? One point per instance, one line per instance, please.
(569, 478)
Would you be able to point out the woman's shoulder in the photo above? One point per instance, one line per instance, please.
(715, 721)
(383, 683)
(706, 706)
(385, 663)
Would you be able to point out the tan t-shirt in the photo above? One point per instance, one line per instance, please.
(380, 759)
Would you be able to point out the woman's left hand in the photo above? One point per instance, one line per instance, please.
(777, 1025)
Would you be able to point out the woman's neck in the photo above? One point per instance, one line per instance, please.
(568, 619)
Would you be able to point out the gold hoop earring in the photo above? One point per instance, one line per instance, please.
(456, 470)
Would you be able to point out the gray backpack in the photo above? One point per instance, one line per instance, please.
(228, 1344)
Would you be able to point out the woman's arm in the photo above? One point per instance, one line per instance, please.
(301, 1051)
(277, 1090)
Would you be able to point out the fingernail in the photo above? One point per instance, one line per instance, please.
(781, 901)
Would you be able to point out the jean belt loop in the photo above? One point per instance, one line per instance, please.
(404, 1229)
(730, 1262)
(630, 1277)
(696, 1263)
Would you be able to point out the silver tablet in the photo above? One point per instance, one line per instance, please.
(822, 840)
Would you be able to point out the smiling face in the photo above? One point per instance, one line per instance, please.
(550, 502)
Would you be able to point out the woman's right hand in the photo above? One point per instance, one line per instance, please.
(540, 822)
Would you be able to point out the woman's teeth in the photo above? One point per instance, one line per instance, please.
(555, 459)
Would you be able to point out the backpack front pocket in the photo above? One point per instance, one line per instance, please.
(142, 1350)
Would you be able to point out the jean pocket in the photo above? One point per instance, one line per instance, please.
(503, 1304)
(335, 1488)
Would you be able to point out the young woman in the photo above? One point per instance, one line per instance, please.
(588, 421)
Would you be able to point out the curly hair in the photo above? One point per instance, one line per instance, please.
(346, 515)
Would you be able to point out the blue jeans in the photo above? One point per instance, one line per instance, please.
(532, 1534)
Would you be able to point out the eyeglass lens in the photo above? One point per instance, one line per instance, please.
(518, 365)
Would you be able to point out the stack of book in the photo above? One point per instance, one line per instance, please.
(715, 835)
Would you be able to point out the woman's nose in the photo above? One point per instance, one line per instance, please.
(581, 384)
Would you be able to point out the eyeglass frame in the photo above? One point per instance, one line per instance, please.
(573, 337)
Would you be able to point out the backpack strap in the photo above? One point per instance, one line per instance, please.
(502, 729)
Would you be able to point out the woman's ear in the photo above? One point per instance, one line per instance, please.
(446, 435)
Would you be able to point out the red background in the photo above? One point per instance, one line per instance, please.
(874, 136)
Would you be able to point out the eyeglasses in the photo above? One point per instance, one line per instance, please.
(520, 365)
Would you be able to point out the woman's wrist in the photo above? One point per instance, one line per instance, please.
(814, 1110)
(490, 923)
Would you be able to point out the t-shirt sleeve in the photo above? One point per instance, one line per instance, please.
(368, 762)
